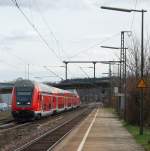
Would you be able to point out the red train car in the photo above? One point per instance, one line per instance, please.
(31, 100)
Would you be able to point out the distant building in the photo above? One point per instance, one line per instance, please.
(6, 98)
(4, 107)
(5, 93)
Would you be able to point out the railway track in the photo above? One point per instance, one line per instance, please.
(22, 133)
(5, 121)
(6, 126)
(11, 126)
(50, 139)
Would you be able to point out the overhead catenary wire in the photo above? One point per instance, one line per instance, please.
(53, 72)
(94, 45)
(18, 57)
(35, 29)
(84, 71)
(51, 32)
(83, 50)
(47, 26)
(135, 5)
(13, 66)
(9, 64)
(33, 26)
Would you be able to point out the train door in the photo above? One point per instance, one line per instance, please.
(50, 103)
(57, 101)
(66, 99)
(65, 102)
(53, 103)
(42, 102)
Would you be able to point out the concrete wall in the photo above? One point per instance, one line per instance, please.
(6, 98)
(97, 94)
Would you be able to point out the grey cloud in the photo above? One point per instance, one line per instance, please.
(10, 39)
(51, 4)
(64, 4)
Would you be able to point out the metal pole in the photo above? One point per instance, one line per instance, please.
(124, 72)
(142, 68)
(110, 82)
(124, 64)
(66, 63)
(94, 69)
(118, 86)
(28, 71)
(121, 63)
(25, 71)
(125, 82)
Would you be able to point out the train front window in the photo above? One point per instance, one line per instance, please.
(24, 96)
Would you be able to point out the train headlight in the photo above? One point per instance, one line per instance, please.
(28, 103)
(18, 102)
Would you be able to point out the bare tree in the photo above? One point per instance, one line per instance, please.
(134, 71)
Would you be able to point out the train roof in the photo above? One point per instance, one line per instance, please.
(43, 87)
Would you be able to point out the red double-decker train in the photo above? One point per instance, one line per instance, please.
(31, 100)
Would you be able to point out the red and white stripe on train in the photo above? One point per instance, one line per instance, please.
(32, 100)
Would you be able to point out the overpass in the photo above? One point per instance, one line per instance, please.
(89, 89)
(6, 87)
(82, 83)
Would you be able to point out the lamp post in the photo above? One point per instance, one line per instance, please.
(142, 54)
(66, 71)
(28, 71)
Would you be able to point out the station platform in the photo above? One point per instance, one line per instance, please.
(100, 131)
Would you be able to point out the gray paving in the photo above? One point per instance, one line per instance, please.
(106, 134)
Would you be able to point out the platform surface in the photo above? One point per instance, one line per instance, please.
(100, 131)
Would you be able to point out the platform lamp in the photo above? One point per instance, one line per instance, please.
(142, 11)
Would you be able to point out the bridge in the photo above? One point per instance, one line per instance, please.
(89, 89)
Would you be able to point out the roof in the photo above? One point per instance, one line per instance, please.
(42, 87)
(6, 85)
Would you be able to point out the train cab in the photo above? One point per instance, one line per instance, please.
(31, 100)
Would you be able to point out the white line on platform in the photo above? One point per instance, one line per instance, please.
(87, 133)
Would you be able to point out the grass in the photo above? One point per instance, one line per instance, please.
(144, 139)
(110, 110)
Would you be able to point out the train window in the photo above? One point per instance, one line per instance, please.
(23, 96)
(24, 93)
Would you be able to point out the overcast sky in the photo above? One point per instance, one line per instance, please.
(71, 29)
